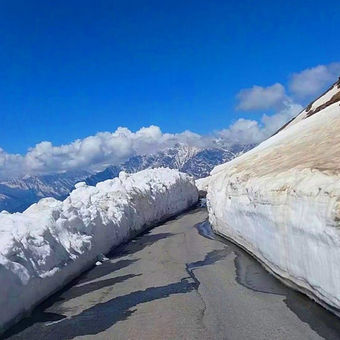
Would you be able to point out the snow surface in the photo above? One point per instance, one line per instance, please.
(281, 201)
(53, 241)
(318, 102)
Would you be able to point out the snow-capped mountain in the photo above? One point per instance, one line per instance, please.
(18, 194)
(205, 160)
(193, 161)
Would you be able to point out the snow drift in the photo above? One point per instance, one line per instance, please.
(281, 201)
(52, 242)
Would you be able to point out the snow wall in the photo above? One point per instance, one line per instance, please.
(281, 202)
(52, 242)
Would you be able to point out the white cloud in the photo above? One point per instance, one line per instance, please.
(313, 81)
(10, 164)
(260, 98)
(245, 131)
(93, 152)
(106, 148)
(309, 82)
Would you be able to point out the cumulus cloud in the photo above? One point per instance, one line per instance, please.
(261, 98)
(93, 152)
(308, 83)
(10, 164)
(246, 131)
(110, 148)
(273, 97)
(313, 81)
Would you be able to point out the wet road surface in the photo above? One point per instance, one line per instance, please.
(178, 281)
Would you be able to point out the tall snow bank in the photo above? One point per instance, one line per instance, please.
(281, 201)
(52, 242)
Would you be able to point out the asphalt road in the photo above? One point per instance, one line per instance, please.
(178, 281)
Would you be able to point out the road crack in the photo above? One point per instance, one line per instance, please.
(196, 285)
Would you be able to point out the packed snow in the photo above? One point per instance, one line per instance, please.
(281, 201)
(53, 241)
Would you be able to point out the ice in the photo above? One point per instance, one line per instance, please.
(52, 242)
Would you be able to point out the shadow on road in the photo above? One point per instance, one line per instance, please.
(31, 327)
(104, 315)
(106, 268)
(137, 244)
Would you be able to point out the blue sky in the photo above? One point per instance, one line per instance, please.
(70, 69)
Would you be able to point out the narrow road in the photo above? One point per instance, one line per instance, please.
(178, 281)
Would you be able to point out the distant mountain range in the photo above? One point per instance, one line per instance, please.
(18, 194)
(194, 161)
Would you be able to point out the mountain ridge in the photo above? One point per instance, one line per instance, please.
(198, 165)
(18, 194)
